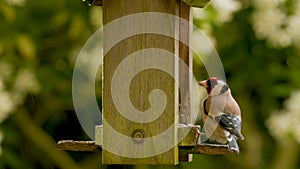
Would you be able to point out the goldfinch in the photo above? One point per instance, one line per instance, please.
(221, 114)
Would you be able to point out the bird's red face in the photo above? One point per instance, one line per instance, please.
(209, 84)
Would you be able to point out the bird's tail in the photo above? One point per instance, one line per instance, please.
(232, 143)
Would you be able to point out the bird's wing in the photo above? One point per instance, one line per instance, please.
(230, 123)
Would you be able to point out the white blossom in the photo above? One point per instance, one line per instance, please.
(16, 2)
(266, 23)
(6, 104)
(226, 9)
(293, 104)
(285, 123)
(293, 28)
(25, 82)
(271, 22)
(280, 39)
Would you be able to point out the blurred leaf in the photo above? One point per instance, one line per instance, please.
(26, 47)
(77, 27)
(9, 13)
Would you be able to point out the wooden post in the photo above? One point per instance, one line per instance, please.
(140, 86)
(121, 139)
(185, 77)
(186, 55)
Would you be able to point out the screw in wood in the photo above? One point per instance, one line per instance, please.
(138, 136)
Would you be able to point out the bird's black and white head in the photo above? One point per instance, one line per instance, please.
(215, 86)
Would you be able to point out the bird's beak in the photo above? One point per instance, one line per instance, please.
(203, 83)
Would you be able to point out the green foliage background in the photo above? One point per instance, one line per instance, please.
(45, 38)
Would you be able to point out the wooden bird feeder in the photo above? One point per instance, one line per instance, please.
(143, 84)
